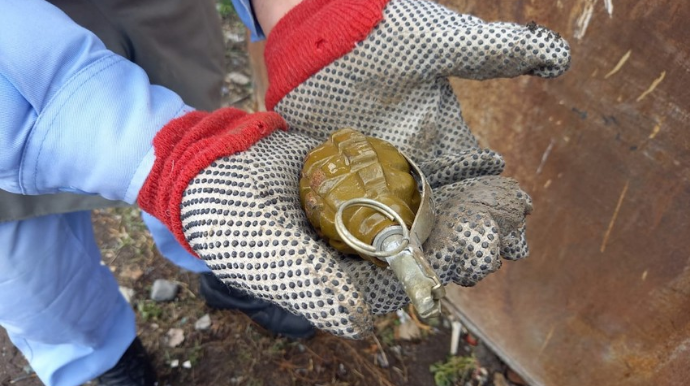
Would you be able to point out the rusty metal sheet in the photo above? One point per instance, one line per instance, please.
(604, 298)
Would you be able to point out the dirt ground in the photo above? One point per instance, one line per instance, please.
(234, 351)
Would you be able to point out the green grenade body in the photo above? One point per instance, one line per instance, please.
(351, 165)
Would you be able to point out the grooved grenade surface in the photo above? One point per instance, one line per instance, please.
(351, 165)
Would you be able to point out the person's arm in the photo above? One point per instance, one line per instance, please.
(76, 117)
(260, 16)
(268, 12)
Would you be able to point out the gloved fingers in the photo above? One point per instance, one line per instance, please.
(506, 50)
(477, 249)
(304, 278)
(478, 221)
(442, 42)
(499, 196)
(514, 245)
(513, 238)
(382, 290)
(450, 168)
(465, 235)
(242, 216)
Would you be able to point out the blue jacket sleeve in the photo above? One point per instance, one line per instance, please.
(246, 13)
(75, 117)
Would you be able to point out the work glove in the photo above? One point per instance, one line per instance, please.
(227, 185)
(382, 67)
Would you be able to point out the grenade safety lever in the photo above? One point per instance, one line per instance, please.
(402, 248)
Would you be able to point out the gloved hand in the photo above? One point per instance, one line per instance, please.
(382, 67)
(226, 184)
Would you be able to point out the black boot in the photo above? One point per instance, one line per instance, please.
(133, 369)
(266, 314)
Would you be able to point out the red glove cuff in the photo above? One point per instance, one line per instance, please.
(189, 144)
(311, 36)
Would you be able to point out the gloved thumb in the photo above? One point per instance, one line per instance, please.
(450, 44)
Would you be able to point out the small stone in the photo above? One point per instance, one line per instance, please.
(163, 290)
(237, 78)
(187, 364)
(127, 293)
(203, 323)
(481, 374)
(233, 37)
(175, 337)
(174, 363)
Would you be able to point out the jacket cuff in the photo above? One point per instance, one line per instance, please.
(313, 35)
(189, 144)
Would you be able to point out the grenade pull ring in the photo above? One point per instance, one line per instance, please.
(402, 248)
(365, 248)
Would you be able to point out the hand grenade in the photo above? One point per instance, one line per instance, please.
(365, 197)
